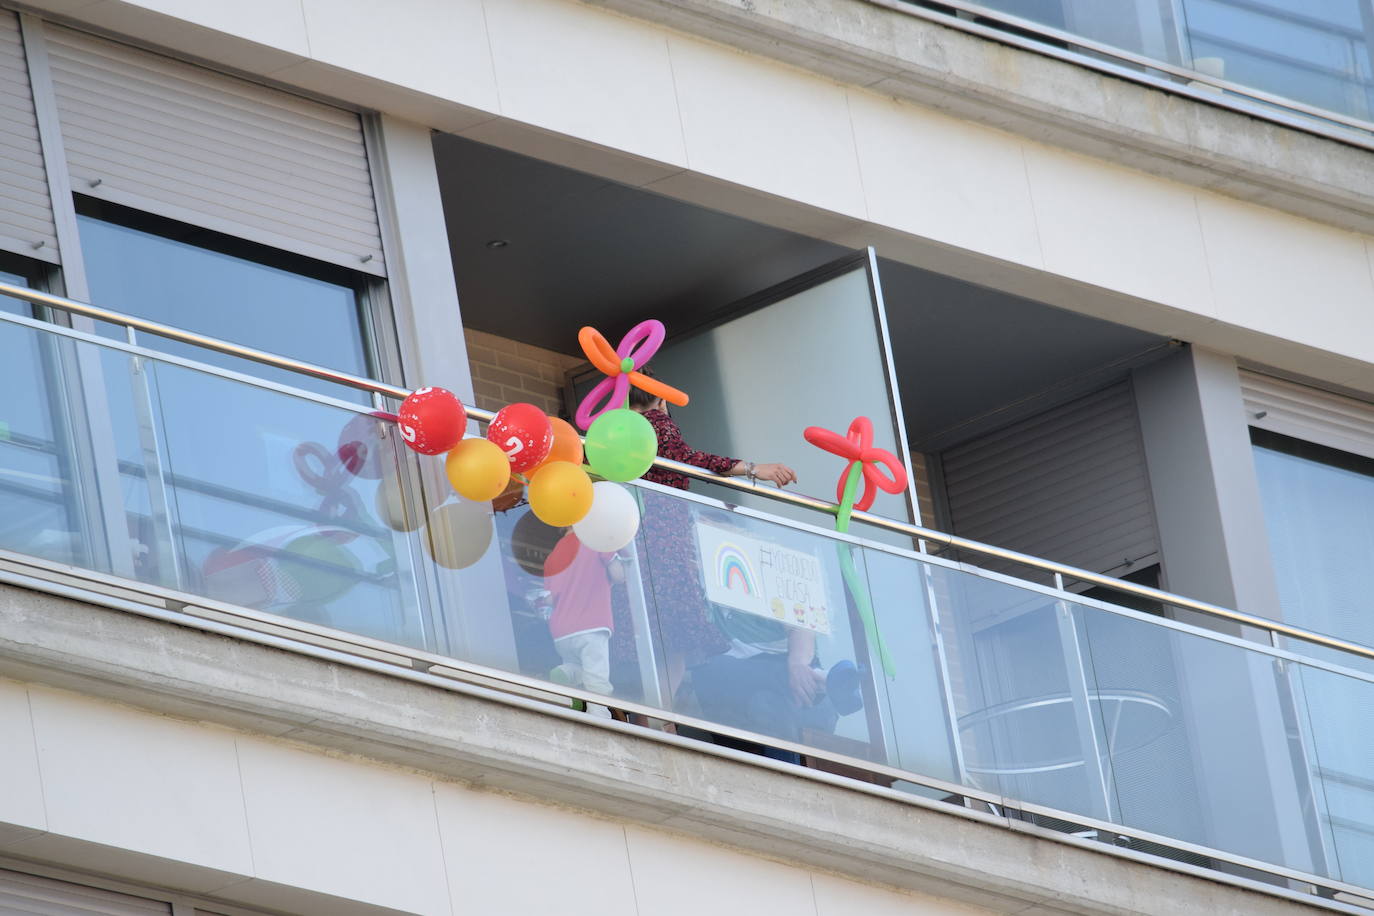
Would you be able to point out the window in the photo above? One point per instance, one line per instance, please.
(205, 282)
(1319, 509)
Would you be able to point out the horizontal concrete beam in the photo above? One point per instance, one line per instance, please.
(553, 755)
(1060, 103)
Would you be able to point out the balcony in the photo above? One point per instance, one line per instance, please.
(299, 517)
(1305, 65)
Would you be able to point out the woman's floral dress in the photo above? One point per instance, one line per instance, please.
(669, 537)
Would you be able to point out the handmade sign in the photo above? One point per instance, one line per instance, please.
(763, 578)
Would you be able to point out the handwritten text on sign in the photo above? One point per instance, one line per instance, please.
(759, 577)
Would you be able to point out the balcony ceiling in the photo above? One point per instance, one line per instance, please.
(584, 250)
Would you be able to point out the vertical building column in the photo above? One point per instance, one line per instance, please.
(1206, 497)
(1214, 548)
(471, 609)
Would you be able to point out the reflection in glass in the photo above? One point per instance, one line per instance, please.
(296, 312)
(38, 488)
(1317, 52)
(267, 514)
(1341, 758)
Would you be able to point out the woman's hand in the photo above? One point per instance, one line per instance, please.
(779, 474)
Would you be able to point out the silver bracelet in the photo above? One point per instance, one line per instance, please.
(749, 471)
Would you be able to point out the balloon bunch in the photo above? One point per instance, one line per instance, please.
(525, 451)
(856, 447)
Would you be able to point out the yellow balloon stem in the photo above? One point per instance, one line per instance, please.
(858, 589)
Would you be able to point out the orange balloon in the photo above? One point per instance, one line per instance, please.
(561, 494)
(567, 444)
(477, 469)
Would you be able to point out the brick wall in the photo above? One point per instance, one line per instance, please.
(505, 371)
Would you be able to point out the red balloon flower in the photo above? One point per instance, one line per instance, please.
(857, 445)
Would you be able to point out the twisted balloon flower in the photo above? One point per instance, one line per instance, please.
(621, 367)
(856, 447)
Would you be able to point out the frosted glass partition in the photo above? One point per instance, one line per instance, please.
(750, 630)
(812, 352)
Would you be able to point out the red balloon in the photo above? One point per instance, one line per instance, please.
(524, 433)
(432, 420)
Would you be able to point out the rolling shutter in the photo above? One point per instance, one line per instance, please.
(1068, 485)
(24, 894)
(198, 146)
(1310, 414)
(26, 225)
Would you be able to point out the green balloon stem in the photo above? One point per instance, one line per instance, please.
(627, 365)
(851, 489)
(858, 589)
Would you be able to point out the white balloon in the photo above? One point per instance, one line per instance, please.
(613, 520)
(459, 533)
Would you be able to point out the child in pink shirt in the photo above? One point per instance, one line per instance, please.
(579, 580)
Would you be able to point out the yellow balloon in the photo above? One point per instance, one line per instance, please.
(560, 494)
(478, 469)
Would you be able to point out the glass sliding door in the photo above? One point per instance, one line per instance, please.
(812, 351)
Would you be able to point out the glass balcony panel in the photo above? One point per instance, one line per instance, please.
(1021, 698)
(40, 487)
(757, 628)
(263, 513)
(1316, 52)
(913, 672)
(1187, 721)
(1339, 751)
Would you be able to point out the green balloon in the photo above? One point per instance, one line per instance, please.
(322, 569)
(621, 445)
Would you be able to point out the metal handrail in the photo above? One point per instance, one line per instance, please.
(1082, 43)
(915, 532)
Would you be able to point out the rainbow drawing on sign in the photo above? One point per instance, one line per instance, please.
(735, 572)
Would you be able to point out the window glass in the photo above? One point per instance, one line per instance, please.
(1319, 510)
(38, 513)
(166, 273)
(1314, 51)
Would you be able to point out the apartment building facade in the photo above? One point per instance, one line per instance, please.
(1102, 275)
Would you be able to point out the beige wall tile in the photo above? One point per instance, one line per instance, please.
(767, 126)
(1119, 229)
(438, 48)
(161, 786)
(945, 179)
(581, 71)
(21, 789)
(506, 856)
(1292, 278)
(343, 827)
(677, 877)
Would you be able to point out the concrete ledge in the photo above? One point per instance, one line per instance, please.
(557, 756)
(1060, 103)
